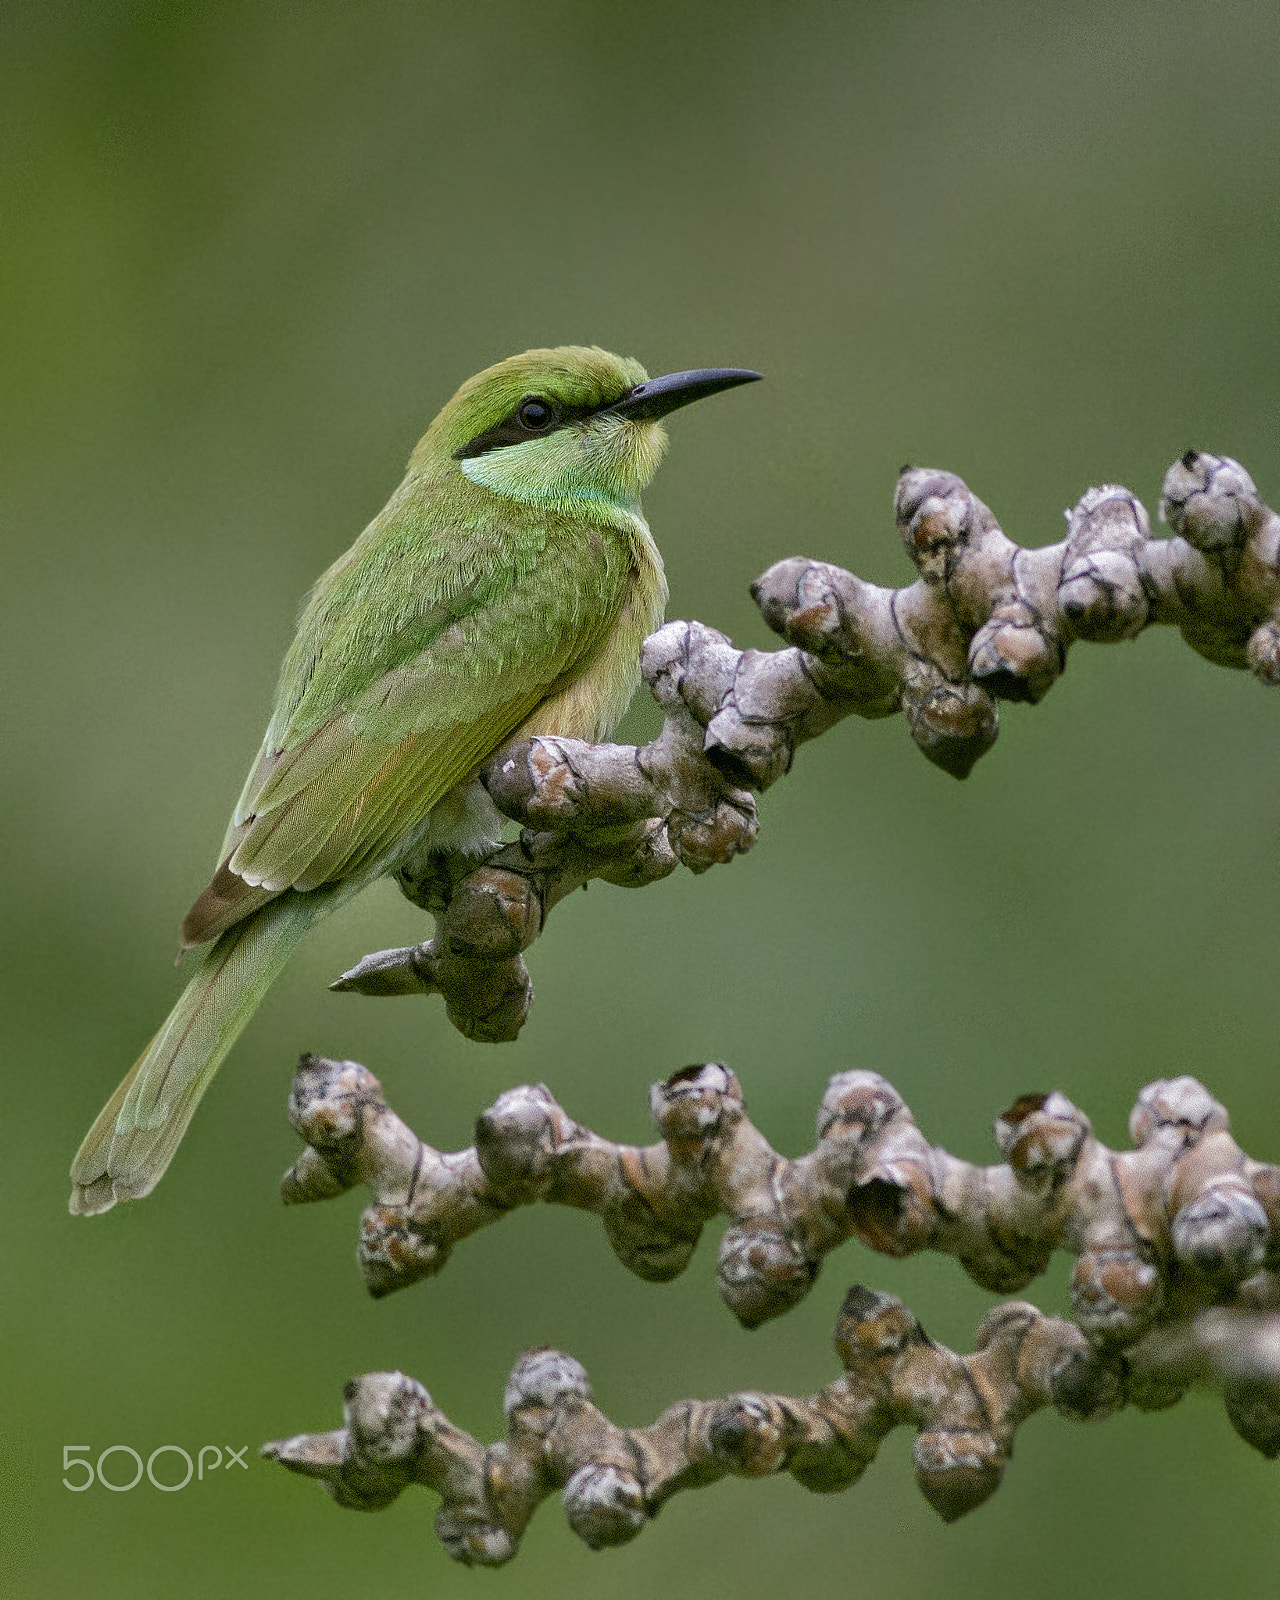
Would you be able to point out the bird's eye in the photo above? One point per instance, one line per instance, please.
(536, 415)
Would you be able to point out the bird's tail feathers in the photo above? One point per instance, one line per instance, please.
(125, 1153)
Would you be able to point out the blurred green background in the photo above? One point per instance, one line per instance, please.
(249, 249)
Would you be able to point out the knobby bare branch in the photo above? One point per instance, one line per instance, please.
(1177, 1276)
(612, 1480)
(987, 620)
(1183, 1222)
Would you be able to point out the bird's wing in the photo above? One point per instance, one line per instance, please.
(335, 789)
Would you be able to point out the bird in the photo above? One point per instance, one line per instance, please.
(504, 591)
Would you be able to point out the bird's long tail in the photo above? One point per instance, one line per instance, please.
(125, 1153)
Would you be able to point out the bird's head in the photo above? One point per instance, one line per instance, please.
(570, 424)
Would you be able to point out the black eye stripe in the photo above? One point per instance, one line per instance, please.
(513, 430)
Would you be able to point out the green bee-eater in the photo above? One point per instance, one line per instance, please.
(504, 590)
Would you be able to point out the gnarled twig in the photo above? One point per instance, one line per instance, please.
(966, 1410)
(986, 620)
(1160, 1232)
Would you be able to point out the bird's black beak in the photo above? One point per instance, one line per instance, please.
(655, 398)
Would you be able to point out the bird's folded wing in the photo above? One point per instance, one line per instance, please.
(336, 799)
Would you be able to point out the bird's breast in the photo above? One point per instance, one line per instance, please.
(591, 704)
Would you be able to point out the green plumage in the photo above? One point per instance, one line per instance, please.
(500, 591)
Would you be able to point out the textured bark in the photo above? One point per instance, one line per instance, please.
(965, 1409)
(1182, 1222)
(1177, 1241)
(986, 620)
